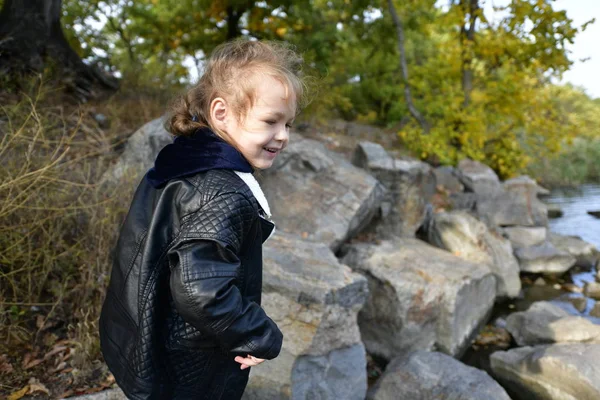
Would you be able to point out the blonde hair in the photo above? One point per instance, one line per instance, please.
(229, 74)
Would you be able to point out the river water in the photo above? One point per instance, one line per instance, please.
(575, 204)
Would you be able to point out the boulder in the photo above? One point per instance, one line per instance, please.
(595, 311)
(421, 297)
(314, 300)
(409, 185)
(479, 178)
(140, 152)
(545, 323)
(544, 258)
(315, 193)
(463, 201)
(554, 211)
(549, 372)
(466, 237)
(525, 183)
(109, 394)
(423, 375)
(592, 289)
(340, 374)
(447, 178)
(512, 208)
(522, 236)
(585, 253)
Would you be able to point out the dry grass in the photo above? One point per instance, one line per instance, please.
(57, 225)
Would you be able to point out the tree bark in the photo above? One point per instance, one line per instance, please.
(470, 8)
(404, 67)
(31, 34)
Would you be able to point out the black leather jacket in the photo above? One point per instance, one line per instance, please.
(185, 290)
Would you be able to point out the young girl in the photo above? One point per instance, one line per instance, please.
(182, 316)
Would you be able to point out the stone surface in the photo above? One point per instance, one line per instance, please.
(341, 374)
(421, 297)
(554, 211)
(545, 323)
(592, 289)
(139, 153)
(585, 253)
(314, 300)
(463, 201)
(512, 208)
(447, 177)
(408, 183)
(521, 236)
(109, 394)
(478, 178)
(544, 258)
(464, 236)
(525, 182)
(549, 372)
(315, 193)
(595, 311)
(423, 375)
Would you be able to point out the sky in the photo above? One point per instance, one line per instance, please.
(586, 45)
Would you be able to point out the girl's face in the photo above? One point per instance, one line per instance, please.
(264, 133)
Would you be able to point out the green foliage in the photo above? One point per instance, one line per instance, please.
(507, 116)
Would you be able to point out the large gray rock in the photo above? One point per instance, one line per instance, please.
(512, 208)
(522, 236)
(545, 323)
(139, 153)
(109, 394)
(409, 184)
(544, 258)
(421, 297)
(479, 178)
(554, 372)
(525, 183)
(447, 178)
(585, 253)
(341, 374)
(424, 375)
(463, 201)
(315, 193)
(314, 300)
(466, 237)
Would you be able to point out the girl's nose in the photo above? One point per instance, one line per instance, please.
(282, 134)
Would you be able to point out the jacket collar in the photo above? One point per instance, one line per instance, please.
(187, 155)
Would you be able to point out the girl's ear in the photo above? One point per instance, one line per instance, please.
(219, 113)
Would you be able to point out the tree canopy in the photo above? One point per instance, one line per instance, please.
(482, 81)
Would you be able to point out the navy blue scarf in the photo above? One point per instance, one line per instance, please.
(188, 155)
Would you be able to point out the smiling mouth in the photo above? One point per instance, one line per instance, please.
(271, 149)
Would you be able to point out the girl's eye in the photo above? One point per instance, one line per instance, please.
(289, 126)
(271, 122)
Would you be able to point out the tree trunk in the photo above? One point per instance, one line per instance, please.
(31, 33)
(404, 67)
(233, 22)
(470, 8)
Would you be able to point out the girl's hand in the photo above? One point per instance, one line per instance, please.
(249, 361)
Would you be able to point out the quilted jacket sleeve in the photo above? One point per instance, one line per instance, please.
(205, 265)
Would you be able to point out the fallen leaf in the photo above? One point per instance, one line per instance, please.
(33, 363)
(54, 351)
(37, 386)
(66, 394)
(18, 394)
(5, 365)
(39, 321)
(27, 358)
(62, 365)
